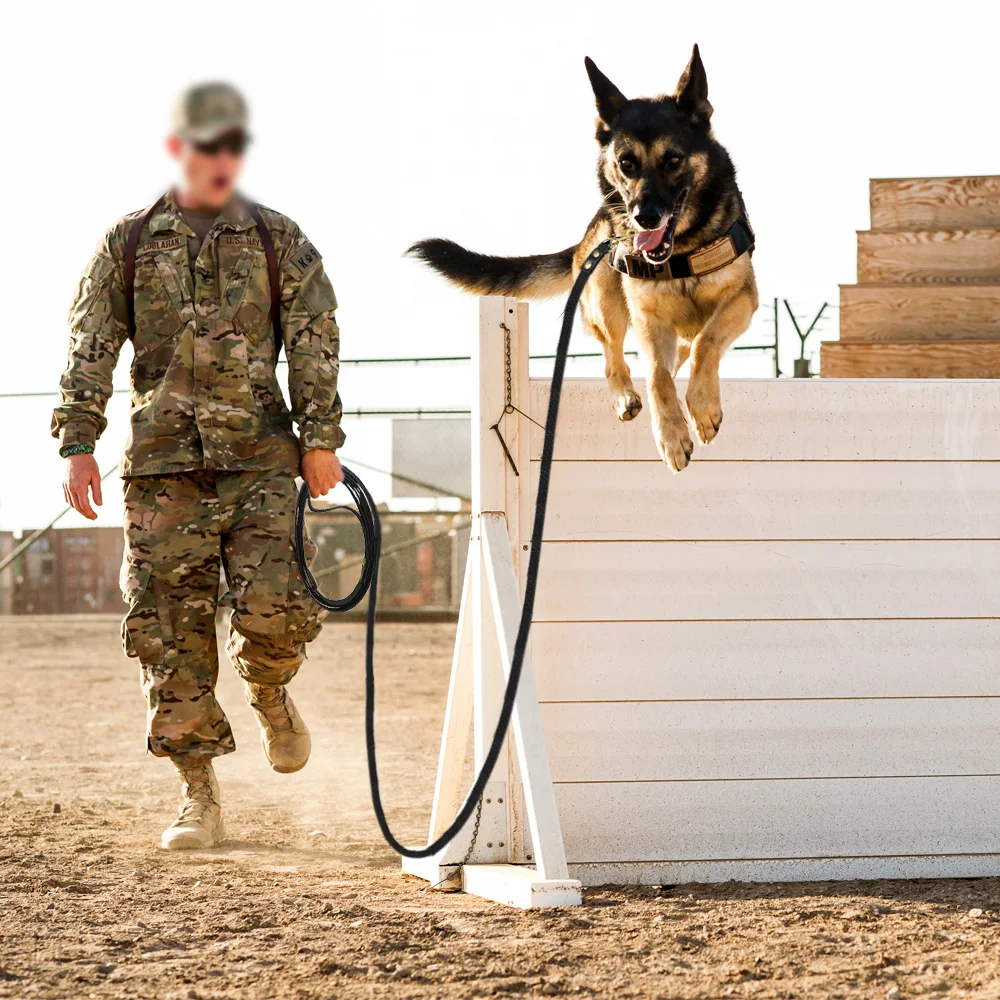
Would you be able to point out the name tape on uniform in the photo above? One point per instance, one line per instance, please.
(154, 246)
(242, 240)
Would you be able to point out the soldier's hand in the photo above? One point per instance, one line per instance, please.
(82, 477)
(321, 470)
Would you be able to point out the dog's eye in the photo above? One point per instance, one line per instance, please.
(627, 165)
(673, 159)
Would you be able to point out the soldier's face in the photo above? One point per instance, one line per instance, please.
(209, 172)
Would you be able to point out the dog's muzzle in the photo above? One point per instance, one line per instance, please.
(656, 245)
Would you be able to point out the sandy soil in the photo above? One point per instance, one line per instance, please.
(306, 901)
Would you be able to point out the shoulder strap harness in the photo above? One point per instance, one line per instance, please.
(717, 255)
(132, 247)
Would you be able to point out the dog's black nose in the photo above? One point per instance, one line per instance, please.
(648, 217)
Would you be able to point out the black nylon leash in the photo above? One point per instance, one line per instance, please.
(367, 515)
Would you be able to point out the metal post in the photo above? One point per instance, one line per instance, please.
(777, 367)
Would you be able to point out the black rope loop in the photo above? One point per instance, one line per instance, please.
(371, 530)
(367, 515)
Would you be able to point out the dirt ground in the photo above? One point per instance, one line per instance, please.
(306, 901)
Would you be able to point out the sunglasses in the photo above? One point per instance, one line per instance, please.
(233, 142)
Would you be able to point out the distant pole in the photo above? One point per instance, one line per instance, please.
(777, 367)
(802, 362)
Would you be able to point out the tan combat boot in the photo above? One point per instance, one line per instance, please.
(199, 821)
(283, 733)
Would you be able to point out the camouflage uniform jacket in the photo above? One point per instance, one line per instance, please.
(204, 390)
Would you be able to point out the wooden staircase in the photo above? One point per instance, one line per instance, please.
(927, 302)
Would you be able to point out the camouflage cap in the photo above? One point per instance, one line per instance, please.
(207, 110)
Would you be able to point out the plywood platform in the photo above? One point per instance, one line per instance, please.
(876, 312)
(916, 203)
(916, 359)
(927, 302)
(955, 256)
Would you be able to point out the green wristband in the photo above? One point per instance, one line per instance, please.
(76, 449)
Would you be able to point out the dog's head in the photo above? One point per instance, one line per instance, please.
(653, 150)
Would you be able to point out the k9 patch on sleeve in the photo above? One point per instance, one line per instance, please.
(304, 257)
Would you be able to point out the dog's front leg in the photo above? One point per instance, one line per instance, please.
(704, 398)
(605, 317)
(670, 426)
(619, 375)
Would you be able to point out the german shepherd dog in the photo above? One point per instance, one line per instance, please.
(662, 174)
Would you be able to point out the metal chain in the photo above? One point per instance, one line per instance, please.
(475, 833)
(509, 408)
(468, 853)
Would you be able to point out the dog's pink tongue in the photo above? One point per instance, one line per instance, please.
(649, 239)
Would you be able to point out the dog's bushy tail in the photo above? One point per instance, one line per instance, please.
(537, 277)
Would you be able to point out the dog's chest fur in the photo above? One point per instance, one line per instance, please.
(683, 305)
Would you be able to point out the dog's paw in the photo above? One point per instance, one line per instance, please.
(675, 446)
(705, 409)
(628, 405)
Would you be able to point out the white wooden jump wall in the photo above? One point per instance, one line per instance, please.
(781, 664)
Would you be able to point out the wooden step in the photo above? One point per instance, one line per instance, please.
(920, 203)
(919, 312)
(922, 359)
(943, 256)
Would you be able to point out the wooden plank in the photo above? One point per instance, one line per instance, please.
(598, 661)
(448, 795)
(955, 256)
(758, 820)
(797, 870)
(488, 480)
(512, 426)
(520, 887)
(917, 203)
(793, 419)
(919, 312)
(728, 740)
(692, 581)
(487, 693)
(517, 507)
(519, 516)
(526, 723)
(443, 877)
(608, 501)
(921, 359)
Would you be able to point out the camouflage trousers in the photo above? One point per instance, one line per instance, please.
(180, 532)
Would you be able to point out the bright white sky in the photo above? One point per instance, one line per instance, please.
(380, 123)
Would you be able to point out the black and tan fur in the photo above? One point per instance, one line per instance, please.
(651, 150)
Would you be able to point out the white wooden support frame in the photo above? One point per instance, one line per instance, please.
(781, 664)
(518, 856)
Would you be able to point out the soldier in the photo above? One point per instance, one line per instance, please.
(211, 458)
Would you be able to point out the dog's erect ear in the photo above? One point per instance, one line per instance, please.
(692, 91)
(610, 100)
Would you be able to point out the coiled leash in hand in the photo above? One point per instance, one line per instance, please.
(367, 515)
(371, 530)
